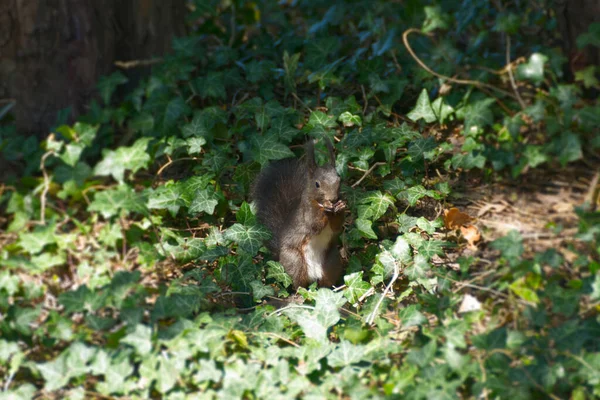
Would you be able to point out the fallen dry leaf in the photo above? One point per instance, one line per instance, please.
(454, 218)
(471, 235)
(469, 303)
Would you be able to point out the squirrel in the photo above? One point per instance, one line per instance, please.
(299, 203)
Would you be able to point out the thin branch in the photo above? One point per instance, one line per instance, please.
(371, 318)
(301, 102)
(450, 79)
(137, 63)
(511, 76)
(170, 162)
(290, 307)
(377, 164)
(46, 187)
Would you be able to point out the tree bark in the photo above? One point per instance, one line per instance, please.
(52, 52)
(574, 18)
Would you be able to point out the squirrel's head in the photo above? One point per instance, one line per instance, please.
(323, 181)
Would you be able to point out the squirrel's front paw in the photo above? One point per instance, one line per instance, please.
(339, 206)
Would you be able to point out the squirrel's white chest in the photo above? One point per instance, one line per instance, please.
(315, 252)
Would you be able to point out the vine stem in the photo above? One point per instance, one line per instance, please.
(448, 78)
(46, 187)
(510, 74)
(371, 318)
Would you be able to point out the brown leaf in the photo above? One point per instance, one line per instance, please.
(454, 219)
(471, 235)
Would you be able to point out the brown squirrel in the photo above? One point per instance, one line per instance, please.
(299, 202)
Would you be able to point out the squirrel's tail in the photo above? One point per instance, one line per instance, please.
(277, 192)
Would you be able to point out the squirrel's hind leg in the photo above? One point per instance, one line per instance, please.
(332, 268)
(293, 263)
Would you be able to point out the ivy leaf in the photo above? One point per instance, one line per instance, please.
(71, 154)
(401, 250)
(194, 144)
(113, 201)
(349, 119)
(405, 222)
(522, 289)
(34, 242)
(533, 69)
(441, 109)
(411, 316)
(260, 290)
(430, 248)
(249, 238)
(418, 269)
(205, 201)
(196, 128)
(107, 85)
(365, 229)
(435, 18)
(267, 148)
(75, 300)
(140, 339)
(429, 226)
(346, 354)
(356, 287)
(378, 204)
(415, 193)
(245, 215)
(422, 109)
(418, 149)
(319, 118)
(276, 271)
(186, 249)
(55, 373)
(511, 246)
(115, 162)
(166, 197)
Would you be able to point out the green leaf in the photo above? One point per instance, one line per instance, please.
(588, 76)
(276, 271)
(418, 149)
(533, 69)
(113, 201)
(107, 85)
(194, 144)
(249, 238)
(422, 109)
(435, 18)
(140, 339)
(260, 290)
(418, 269)
(378, 204)
(401, 250)
(319, 118)
(55, 373)
(131, 158)
(415, 193)
(349, 119)
(365, 229)
(166, 197)
(411, 316)
(205, 201)
(245, 215)
(511, 246)
(441, 109)
(346, 354)
(356, 287)
(522, 289)
(267, 148)
(35, 242)
(71, 154)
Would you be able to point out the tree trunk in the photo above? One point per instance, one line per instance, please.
(52, 52)
(574, 18)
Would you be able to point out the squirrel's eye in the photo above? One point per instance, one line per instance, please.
(317, 184)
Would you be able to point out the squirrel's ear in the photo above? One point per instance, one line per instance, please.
(310, 155)
(330, 148)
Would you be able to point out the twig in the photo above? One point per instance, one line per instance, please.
(124, 242)
(432, 72)
(137, 63)
(511, 76)
(377, 164)
(365, 100)
(371, 318)
(290, 307)
(301, 102)
(288, 341)
(46, 187)
(168, 164)
(232, 26)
